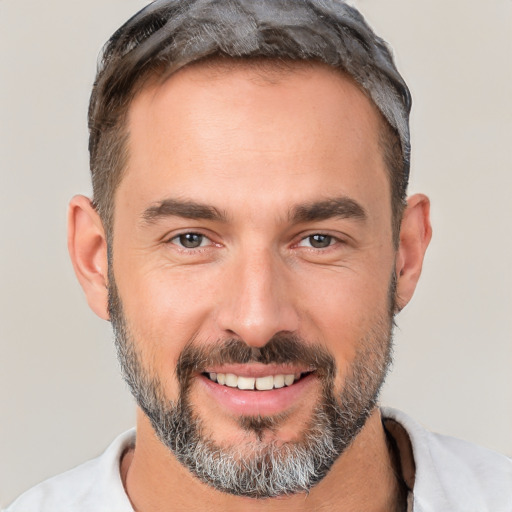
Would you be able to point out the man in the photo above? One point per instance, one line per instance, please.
(250, 241)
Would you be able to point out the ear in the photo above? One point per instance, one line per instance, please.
(87, 247)
(415, 235)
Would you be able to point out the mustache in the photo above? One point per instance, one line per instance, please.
(282, 348)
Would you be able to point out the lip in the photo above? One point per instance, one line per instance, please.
(258, 403)
(258, 370)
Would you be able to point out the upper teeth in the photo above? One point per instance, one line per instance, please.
(260, 383)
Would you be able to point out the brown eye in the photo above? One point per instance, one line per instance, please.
(190, 240)
(320, 241)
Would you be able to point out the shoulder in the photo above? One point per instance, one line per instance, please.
(452, 474)
(93, 486)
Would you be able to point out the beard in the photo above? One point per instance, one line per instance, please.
(259, 468)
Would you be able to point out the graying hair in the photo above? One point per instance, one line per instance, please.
(252, 467)
(170, 34)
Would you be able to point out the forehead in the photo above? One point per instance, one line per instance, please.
(242, 126)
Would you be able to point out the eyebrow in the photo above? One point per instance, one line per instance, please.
(185, 209)
(341, 207)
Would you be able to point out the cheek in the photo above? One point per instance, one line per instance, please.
(344, 309)
(164, 311)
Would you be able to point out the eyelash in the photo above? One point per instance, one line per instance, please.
(178, 240)
(332, 240)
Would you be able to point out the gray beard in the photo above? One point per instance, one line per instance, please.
(258, 468)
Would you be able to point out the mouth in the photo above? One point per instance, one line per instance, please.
(248, 390)
(263, 383)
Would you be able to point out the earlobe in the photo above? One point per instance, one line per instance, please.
(87, 247)
(415, 235)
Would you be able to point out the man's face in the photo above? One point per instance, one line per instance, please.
(252, 248)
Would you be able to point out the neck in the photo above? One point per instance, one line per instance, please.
(363, 478)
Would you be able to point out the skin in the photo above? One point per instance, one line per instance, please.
(254, 149)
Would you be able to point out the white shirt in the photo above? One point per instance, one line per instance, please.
(451, 476)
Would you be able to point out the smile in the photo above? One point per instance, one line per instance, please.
(257, 389)
(264, 383)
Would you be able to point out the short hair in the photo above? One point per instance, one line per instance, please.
(167, 35)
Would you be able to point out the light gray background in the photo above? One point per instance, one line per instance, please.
(61, 400)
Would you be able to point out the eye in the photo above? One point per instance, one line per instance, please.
(190, 240)
(317, 241)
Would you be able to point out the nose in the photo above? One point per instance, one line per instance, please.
(258, 300)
